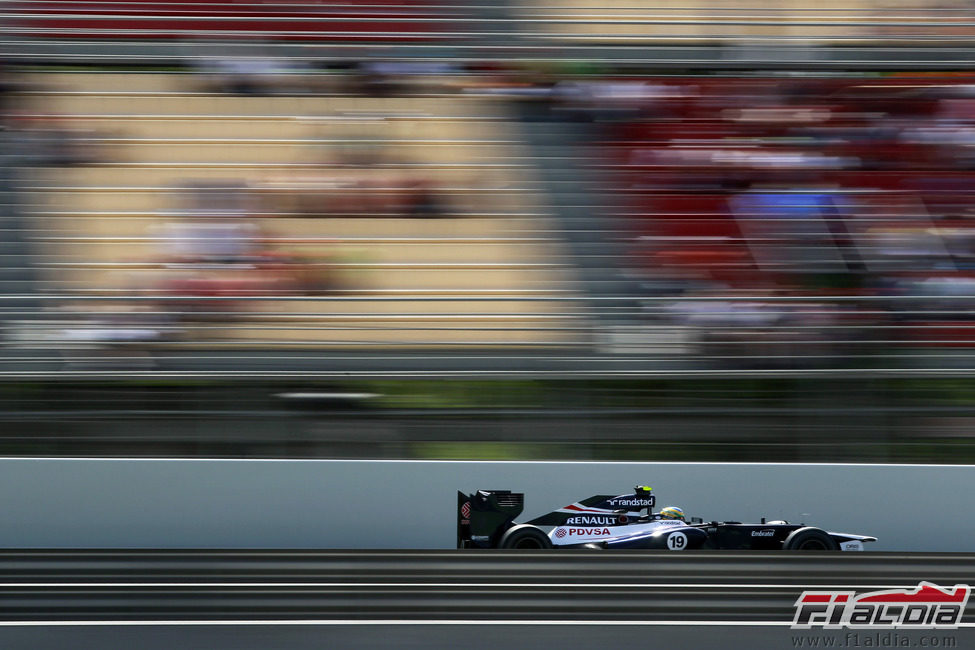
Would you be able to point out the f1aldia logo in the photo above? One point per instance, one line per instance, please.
(925, 606)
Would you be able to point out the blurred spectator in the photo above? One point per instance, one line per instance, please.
(47, 140)
(216, 249)
(765, 332)
(350, 180)
(377, 78)
(6, 93)
(209, 242)
(250, 68)
(610, 100)
(111, 334)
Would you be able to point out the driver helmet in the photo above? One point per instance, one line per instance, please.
(672, 512)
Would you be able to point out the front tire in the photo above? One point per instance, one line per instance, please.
(525, 536)
(810, 539)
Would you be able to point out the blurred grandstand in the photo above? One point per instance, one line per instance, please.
(531, 229)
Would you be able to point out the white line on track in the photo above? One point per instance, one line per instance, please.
(576, 622)
(535, 585)
(413, 622)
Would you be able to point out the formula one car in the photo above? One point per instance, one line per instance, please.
(486, 519)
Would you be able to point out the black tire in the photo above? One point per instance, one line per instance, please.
(810, 539)
(525, 536)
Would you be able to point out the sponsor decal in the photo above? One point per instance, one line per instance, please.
(924, 606)
(560, 533)
(763, 533)
(588, 532)
(592, 521)
(853, 545)
(465, 510)
(677, 541)
(642, 503)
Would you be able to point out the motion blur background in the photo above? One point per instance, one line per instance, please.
(522, 229)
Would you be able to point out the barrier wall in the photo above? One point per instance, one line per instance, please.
(93, 503)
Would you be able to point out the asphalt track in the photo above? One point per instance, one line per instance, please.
(418, 599)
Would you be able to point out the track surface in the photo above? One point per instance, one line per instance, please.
(477, 587)
(444, 599)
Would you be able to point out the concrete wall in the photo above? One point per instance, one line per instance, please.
(77, 503)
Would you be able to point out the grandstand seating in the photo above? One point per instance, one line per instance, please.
(829, 21)
(820, 186)
(414, 281)
(354, 20)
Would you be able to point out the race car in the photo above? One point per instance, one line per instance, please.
(486, 519)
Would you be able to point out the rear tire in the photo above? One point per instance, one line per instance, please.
(525, 536)
(810, 539)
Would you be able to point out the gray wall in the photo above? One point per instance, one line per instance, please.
(77, 503)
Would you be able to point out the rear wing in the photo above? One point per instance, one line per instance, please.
(484, 516)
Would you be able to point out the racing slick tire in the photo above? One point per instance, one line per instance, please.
(525, 536)
(809, 539)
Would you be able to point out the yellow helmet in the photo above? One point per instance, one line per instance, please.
(672, 512)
